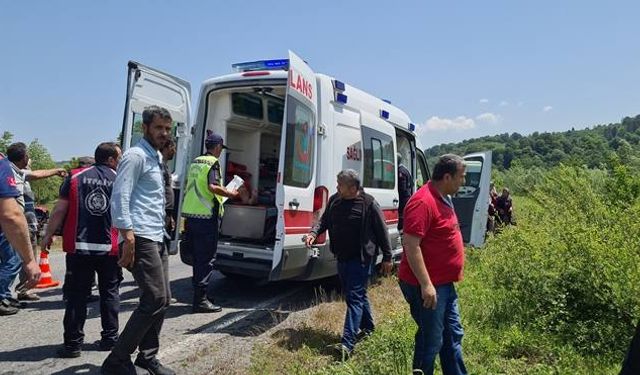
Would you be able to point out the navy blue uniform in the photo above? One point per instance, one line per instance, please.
(91, 246)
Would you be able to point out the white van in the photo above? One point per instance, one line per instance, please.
(289, 132)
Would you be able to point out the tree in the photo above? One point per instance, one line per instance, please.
(5, 141)
(45, 190)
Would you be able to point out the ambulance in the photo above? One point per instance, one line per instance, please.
(289, 131)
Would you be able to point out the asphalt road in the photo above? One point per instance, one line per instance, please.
(29, 339)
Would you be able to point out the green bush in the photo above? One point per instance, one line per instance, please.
(571, 267)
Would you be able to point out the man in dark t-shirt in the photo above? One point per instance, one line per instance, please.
(357, 228)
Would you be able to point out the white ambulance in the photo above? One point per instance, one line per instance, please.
(289, 132)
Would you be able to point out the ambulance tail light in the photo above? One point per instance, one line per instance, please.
(320, 198)
(255, 74)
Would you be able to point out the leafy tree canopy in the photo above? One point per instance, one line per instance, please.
(592, 147)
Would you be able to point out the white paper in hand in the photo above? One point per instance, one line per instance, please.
(233, 185)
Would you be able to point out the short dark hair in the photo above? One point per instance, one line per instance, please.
(447, 163)
(151, 112)
(86, 161)
(168, 144)
(16, 152)
(106, 150)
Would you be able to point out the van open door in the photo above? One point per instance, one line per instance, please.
(471, 202)
(145, 87)
(422, 171)
(296, 172)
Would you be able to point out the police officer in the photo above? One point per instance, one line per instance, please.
(203, 207)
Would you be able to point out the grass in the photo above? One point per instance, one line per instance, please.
(302, 347)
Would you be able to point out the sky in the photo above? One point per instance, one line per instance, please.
(460, 69)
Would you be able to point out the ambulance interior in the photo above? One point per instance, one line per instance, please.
(250, 120)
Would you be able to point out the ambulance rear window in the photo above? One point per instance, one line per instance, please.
(248, 105)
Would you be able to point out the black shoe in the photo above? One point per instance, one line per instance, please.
(363, 334)
(201, 303)
(6, 308)
(205, 306)
(341, 351)
(105, 345)
(153, 366)
(111, 366)
(15, 303)
(68, 352)
(28, 297)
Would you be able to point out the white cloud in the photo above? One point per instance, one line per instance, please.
(488, 117)
(458, 123)
(504, 103)
(484, 100)
(547, 108)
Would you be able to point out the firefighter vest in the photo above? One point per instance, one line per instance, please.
(199, 201)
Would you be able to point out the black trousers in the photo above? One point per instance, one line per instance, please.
(81, 270)
(204, 233)
(151, 272)
(631, 364)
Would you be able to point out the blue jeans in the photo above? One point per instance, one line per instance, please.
(354, 276)
(10, 265)
(439, 331)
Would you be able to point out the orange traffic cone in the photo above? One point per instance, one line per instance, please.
(46, 280)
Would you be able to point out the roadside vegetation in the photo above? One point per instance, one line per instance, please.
(46, 190)
(558, 294)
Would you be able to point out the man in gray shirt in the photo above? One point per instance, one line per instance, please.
(137, 211)
(18, 156)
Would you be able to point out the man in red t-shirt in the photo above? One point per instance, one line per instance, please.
(433, 260)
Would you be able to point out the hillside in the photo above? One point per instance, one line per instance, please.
(591, 147)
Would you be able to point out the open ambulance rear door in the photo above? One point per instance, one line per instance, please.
(471, 202)
(145, 87)
(296, 172)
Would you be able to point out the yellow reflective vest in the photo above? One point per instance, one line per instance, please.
(199, 201)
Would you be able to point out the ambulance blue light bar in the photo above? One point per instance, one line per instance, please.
(384, 114)
(412, 127)
(341, 98)
(386, 101)
(337, 85)
(281, 64)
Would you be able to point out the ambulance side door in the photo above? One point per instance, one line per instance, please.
(147, 86)
(296, 177)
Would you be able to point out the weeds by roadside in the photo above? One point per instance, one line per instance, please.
(555, 295)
